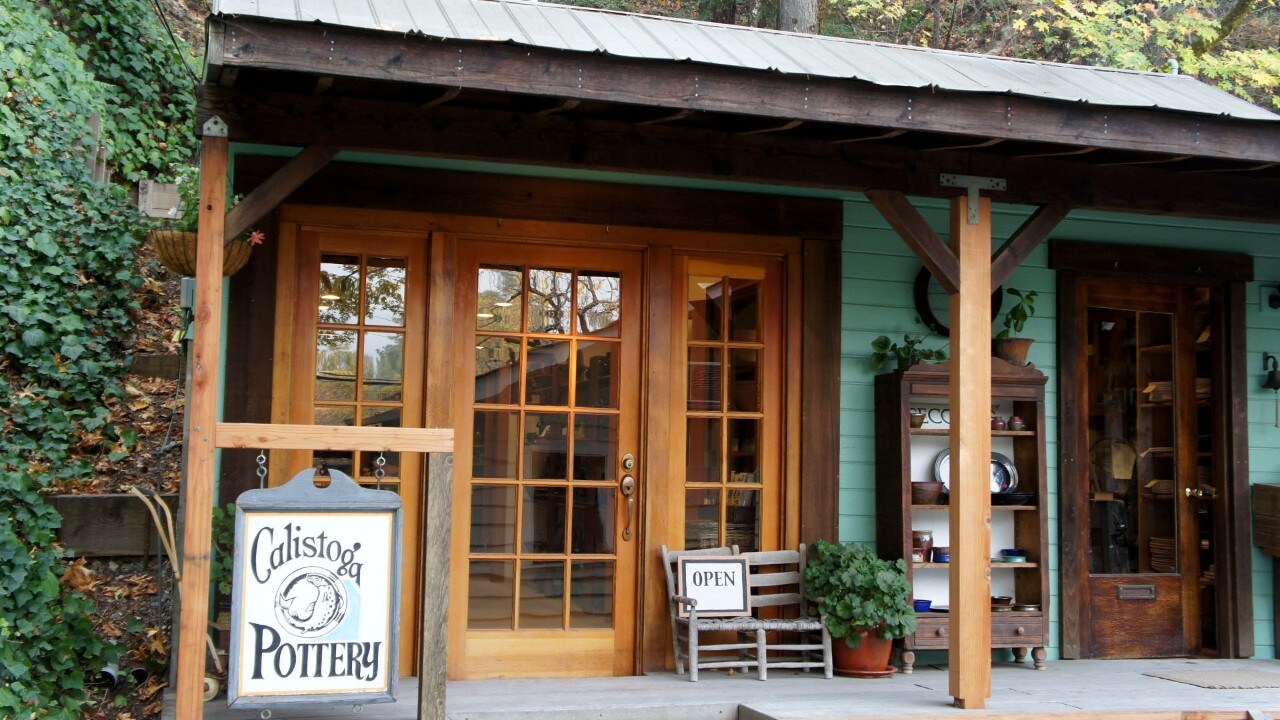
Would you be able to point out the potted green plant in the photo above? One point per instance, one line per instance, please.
(175, 237)
(908, 353)
(1007, 347)
(865, 601)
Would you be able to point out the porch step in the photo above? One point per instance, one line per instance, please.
(665, 711)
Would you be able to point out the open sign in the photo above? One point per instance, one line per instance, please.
(719, 584)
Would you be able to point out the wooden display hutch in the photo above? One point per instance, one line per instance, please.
(904, 454)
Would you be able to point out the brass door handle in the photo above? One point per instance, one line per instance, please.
(628, 489)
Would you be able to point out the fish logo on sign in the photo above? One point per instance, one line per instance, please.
(311, 602)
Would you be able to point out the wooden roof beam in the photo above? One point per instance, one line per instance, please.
(585, 143)
(563, 106)
(673, 117)
(916, 233)
(545, 72)
(1024, 240)
(444, 97)
(790, 125)
(966, 146)
(866, 138)
(271, 193)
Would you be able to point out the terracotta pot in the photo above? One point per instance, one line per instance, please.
(871, 655)
(177, 252)
(1012, 350)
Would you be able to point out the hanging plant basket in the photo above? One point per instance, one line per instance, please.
(177, 252)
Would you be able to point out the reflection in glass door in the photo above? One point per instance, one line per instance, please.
(553, 413)
(732, 405)
(1140, 544)
(358, 352)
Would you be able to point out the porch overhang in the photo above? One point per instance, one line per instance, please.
(332, 87)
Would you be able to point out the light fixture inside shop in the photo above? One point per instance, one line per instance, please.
(329, 296)
(484, 316)
(323, 308)
(502, 304)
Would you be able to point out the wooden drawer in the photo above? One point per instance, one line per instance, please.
(932, 632)
(1011, 629)
(1018, 629)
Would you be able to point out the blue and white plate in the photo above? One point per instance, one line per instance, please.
(1004, 476)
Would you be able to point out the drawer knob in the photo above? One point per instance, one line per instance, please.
(1021, 631)
(940, 632)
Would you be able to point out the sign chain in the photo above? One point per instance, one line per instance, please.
(380, 469)
(262, 469)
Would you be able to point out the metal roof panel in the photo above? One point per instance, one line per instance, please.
(535, 27)
(652, 38)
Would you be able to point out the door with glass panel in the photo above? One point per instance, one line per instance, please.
(547, 483)
(729, 319)
(359, 327)
(1141, 390)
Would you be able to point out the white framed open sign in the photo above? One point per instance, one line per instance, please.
(719, 584)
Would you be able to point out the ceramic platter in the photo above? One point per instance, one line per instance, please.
(1004, 476)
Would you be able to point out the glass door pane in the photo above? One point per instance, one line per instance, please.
(548, 362)
(1132, 400)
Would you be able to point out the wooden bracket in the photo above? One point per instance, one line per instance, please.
(1024, 240)
(916, 233)
(276, 188)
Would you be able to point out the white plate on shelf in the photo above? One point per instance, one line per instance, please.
(1004, 476)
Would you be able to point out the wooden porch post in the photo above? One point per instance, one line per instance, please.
(970, 596)
(202, 409)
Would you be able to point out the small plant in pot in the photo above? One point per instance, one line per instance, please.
(908, 353)
(1006, 346)
(174, 237)
(865, 601)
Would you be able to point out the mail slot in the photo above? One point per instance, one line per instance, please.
(1136, 592)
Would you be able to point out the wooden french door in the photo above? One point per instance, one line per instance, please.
(357, 356)
(1140, 494)
(547, 481)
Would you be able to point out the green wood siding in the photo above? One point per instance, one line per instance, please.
(878, 271)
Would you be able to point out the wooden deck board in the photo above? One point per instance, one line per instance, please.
(1067, 690)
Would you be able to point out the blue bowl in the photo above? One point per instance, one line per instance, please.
(1013, 553)
(922, 605)
(941, 557)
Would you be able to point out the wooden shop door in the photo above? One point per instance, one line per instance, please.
(547, 485)
(1138, 543)
(358, 337)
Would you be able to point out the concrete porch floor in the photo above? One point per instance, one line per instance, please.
(1064, 690)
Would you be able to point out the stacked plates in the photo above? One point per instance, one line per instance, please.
(1163, 555)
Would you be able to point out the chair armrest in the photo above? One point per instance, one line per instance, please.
(685, 600)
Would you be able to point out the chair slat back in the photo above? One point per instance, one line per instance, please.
(777, 578)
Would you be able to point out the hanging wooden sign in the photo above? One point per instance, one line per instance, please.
(315, 606)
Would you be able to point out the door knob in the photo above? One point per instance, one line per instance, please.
(628, 489)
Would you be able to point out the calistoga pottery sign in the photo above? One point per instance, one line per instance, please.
(316, 590)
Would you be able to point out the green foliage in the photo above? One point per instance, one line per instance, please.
(66, 296)
(908, 353)
(860, 592)
(224, 544)
(1154, 35)
(1017, 317)
(150, 95)
(1229, 43)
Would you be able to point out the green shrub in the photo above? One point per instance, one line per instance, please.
(859, 591)
(66, 302)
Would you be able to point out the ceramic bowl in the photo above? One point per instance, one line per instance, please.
(925, 493)
(941, 557)
(921, 605)
(1001, 600)
(1013, 552)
